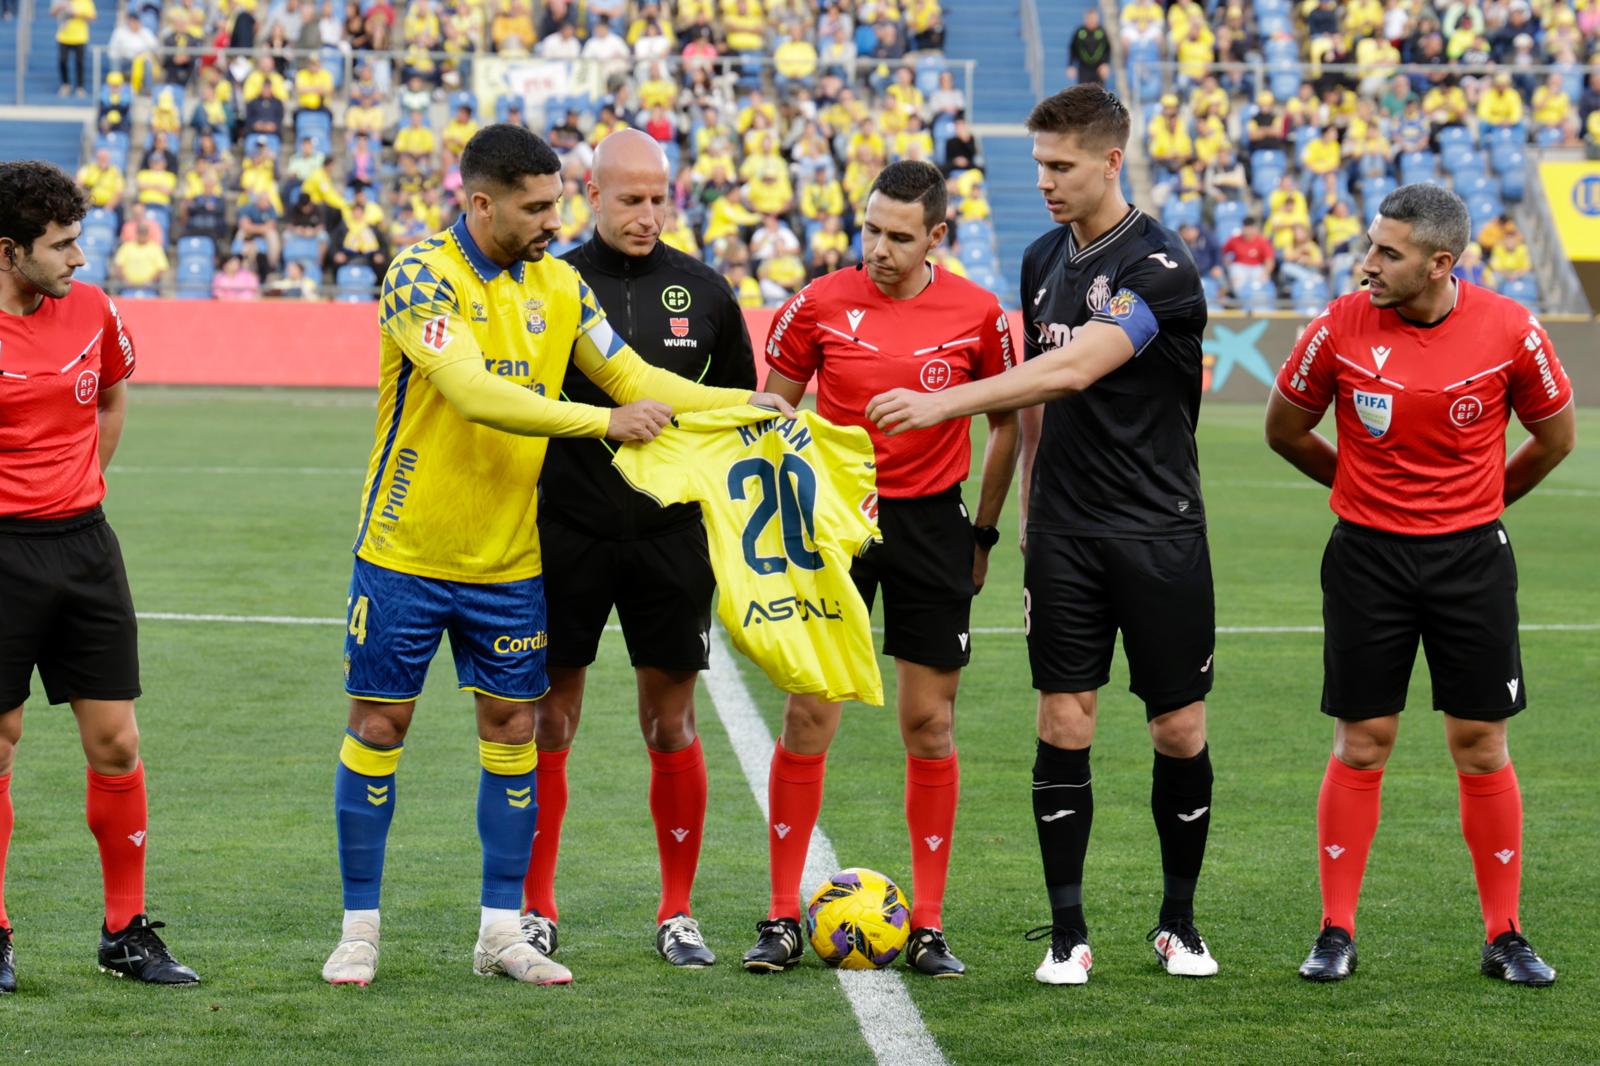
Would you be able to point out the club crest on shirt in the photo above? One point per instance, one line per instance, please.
(1375, 409)
(1099, 294)
(535, 320)
(1121, 305)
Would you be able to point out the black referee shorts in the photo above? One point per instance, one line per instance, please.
(66, 609)
(924, 567)
(661, 587)
(1077, 592)
(1457, 593)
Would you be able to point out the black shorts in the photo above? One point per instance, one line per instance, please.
(661, 587)
(1381, 592)
(1077, 592)
(924, 567)
(65, 608)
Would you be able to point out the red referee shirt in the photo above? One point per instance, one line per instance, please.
(1422, 411)
(859, 342)
(53, 364)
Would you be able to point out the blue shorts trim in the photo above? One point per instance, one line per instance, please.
(394, 623)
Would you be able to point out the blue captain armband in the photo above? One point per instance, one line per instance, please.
(1129, 311)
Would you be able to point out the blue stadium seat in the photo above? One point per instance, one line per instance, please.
(1459, 156)
(1548, 137)
(1454, 135)
(1273, 24)
(102, 217)
(195, 271)
(97, 242)
(93, 270)
(1418, 167)
(306, 251)
(1281, 49)
(197, 248)
(1483, 208)
(1283, 79)
(1259, 296)
(928, 71)
(253, 142)
(1176, 212)
(1513, 184)
(1310, 297)
(1524, 290)
(1469, 185)
(1373, 190)
(1212, 288)
(139, 294)
(356, 282)
(1263, 179)
(1227, 218)
(975, 231)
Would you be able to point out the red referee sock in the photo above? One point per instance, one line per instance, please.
(7, 820)
(1491, 820)
(117, 810)
(932, 788)
(794, 799)
(550, 786)
(678, 807)
(1347, 820)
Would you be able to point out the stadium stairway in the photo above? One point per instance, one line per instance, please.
(51, 134)
(991, 34)
(40, 80)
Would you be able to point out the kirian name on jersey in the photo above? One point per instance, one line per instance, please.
(786, 607)
(787, 428)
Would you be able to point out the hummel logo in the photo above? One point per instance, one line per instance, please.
(1038, 297)
(933, 842)
(1334, 851)
(1511, 686)
(377, 795)
(519, 797)
(1207, 667)
(137, 838)
(1192, 815)
(1381, 356)
(963, 638)
(781, 829)
(1055, 816)
(679, 834)
(1505, 856)
(855, 318)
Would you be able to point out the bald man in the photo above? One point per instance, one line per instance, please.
(607, 546)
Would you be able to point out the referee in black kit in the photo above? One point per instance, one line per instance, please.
(606, 545)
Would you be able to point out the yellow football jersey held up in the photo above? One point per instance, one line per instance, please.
(788, 503)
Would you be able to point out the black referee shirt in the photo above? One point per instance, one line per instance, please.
(678, 314)
(1118, 459)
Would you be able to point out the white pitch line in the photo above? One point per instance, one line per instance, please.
(890, 1021)
(250, 471)
(1005, 631)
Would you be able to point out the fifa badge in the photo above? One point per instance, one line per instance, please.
(535, 320)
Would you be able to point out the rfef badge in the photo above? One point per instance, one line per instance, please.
(535, 313)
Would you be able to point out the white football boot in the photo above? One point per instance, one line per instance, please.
(1181, 949)
(355, 960)
(1068, 961)
(503, 949)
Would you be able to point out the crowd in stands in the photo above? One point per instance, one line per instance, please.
(249, 149)
(1271, 169)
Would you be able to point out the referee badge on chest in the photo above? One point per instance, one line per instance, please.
(535, 315)
(1375, 409)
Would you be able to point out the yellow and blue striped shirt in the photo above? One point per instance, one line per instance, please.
(452, 499)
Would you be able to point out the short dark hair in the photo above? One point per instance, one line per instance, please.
(34, 194)
(1096, 116)
(1439, 218)
(911, 181)
(504, 154)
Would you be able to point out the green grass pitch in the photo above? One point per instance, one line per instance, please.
(243, 503)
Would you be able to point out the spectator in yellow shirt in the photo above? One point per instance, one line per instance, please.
(755, 104)
(1210, 99)
(1340, 229)
(677, 233)
(102, 180)
(1551, 104)
(770, 193)
(459, 131)
(313, 84)
(1168, 139)
(416, 139)
(72, 40)
(1212, 140)
(746, 288)
(794, 62)
(744, 28)
(866, 136)
(913, 142)
(727, 216)
(831, 237)
(1501, 105)
(1288, 202)
(265, 79)
(141, 262)
(1446, 105)
(1510, 260)
(1324, 155)
(1197, 49)
(822, 197)
(156, 184)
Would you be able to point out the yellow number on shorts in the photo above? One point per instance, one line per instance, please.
(358, 620)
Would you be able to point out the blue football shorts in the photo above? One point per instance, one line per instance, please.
(394, 622)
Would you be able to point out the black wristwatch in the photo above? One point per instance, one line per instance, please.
(986, 536)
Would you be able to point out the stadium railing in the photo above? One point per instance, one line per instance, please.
(1033, 47)
(25, 16)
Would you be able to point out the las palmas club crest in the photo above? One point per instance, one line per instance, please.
(535, 312)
